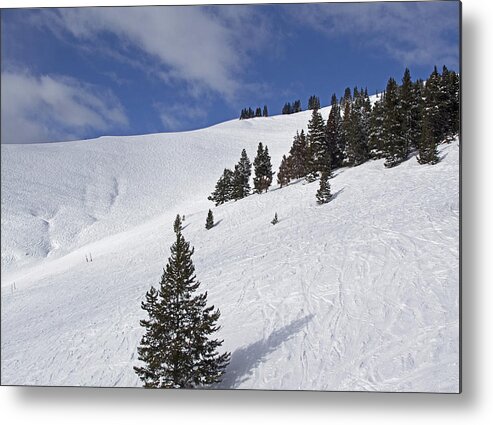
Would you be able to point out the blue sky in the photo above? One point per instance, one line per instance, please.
(78, 73)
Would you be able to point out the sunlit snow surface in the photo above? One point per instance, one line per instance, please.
(359, 294)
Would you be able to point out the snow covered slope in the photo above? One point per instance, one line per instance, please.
(359, 294)
(61, 196)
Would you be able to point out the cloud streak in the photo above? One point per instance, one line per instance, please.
(175, 117)
(47, 108)
(200, 46)
(410, 32)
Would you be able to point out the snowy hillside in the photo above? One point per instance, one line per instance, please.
(361, 293)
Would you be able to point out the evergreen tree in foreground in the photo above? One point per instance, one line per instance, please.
(209, 222)
(176, 349)
(323, 193)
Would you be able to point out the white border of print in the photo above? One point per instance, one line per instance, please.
(128, 406)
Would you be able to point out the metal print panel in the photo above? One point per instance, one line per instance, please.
(258, 197)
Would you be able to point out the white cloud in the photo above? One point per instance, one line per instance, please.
(410, 32)
(47, 108)
(177, 117)
(201, 46)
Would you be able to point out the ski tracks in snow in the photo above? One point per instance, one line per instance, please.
(357, 294)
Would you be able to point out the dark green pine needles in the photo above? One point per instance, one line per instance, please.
(223, 191)
(176, 350)
(394, 140)
(319, 158)
(263, 170)
(209, 222)
(323, 194)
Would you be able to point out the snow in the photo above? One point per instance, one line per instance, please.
(360, 294)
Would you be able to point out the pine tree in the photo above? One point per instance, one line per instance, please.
(449, 102)
(296, 106)
(224, 190)
(427, 152)
(313, 102)
(283, 175)
(454, 106)
(317, 142)
(263, 170)
(177, 225)
(245, 167)
(275, 220)
(375, 137)
(241, 177)
(357, 130)
(443, 100)
(236, 186)
(258, 112)
(286, 110)
(356, 93)
(323, 193)
(394, 142)
(265, 112)
(346, 127)
(298, 156)
(209, 222)
(177, 350)
(431, 130)
(352, 136)
(347, 98)
(416, 114)
(406, 102)
(432, 106)
(365, 118)
(333, 134)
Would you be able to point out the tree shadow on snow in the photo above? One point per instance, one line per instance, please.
(217, 223)
(336, 194)
(412, 154)
(246, 359)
